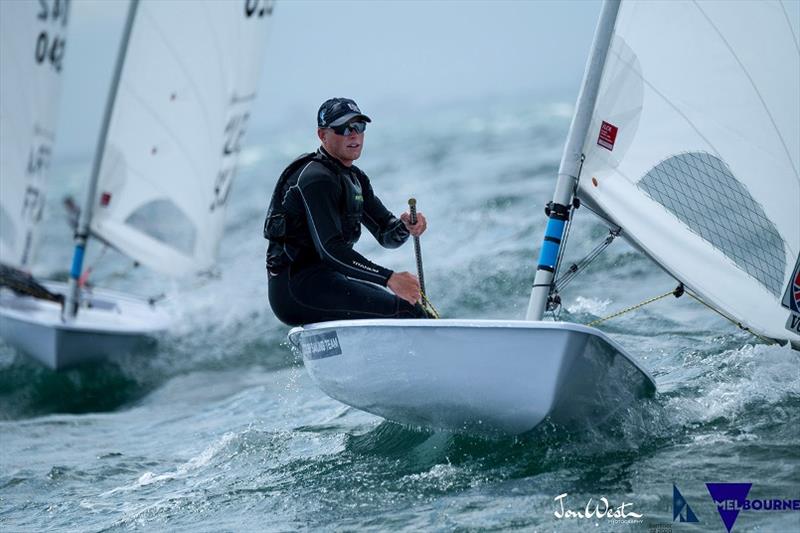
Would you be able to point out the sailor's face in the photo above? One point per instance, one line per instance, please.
(345, 148)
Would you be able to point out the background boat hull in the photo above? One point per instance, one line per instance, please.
(109, 323)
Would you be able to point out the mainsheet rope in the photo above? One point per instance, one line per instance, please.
(678, 292)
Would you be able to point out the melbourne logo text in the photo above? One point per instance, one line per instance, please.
(731, 498)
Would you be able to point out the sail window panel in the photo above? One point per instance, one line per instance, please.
(164, 221)
(701, 191)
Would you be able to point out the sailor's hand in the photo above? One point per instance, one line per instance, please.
(415, 229)
(405, 285)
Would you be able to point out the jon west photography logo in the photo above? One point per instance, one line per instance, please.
(622, 513)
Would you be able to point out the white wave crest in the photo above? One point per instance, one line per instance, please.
(194, 463)
(593, 306)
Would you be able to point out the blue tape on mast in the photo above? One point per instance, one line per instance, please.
(77, 262)
(555, 228)
(548, 255)
(549, 252)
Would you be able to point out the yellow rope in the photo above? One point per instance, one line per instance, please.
(675, 292)
(632, 308)
(428, 306)
(737, 324)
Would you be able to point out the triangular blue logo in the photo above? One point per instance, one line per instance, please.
(729, 499)
(679, 505)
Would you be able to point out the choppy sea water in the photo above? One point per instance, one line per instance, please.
(219, 428)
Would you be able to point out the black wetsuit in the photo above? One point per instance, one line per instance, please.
(314, 273)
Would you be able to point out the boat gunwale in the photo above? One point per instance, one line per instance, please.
(449, 323)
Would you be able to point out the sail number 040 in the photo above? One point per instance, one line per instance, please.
(49, 44)
(50, 51)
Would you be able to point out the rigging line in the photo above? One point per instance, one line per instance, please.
(118, 274)
(677, 292)
(591, 256)
(608, 221)
(753, 85)
(564, 280)
(562, 247)
(564, 238)
(428, 305)
(164, 297)
(674, 292)
(97, 259)
(553, 289)
(734, 322)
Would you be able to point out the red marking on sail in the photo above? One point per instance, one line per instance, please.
(105, 199)
(608, 135)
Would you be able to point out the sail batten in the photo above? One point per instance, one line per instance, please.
(694, 149)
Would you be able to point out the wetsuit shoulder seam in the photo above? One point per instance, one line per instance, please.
(322, 172)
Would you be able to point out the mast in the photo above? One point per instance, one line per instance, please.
(82, 232)
(570, 165)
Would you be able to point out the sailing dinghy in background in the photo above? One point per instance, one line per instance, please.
(181, 95)
(33, 39)
(32, 44)
(688, 121)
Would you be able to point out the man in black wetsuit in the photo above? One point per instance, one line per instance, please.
(314, 219)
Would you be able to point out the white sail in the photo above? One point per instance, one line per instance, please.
(183, 105)
(694, 148)
(32, 45)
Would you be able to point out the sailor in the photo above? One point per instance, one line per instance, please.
(314, 219)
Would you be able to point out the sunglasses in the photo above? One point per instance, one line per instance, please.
(350, 128)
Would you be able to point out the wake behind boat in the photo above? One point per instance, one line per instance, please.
(475, 376)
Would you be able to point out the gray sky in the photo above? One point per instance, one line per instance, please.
(399, 55)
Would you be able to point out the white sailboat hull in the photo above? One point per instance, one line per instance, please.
(108, 323)
(475, 376)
